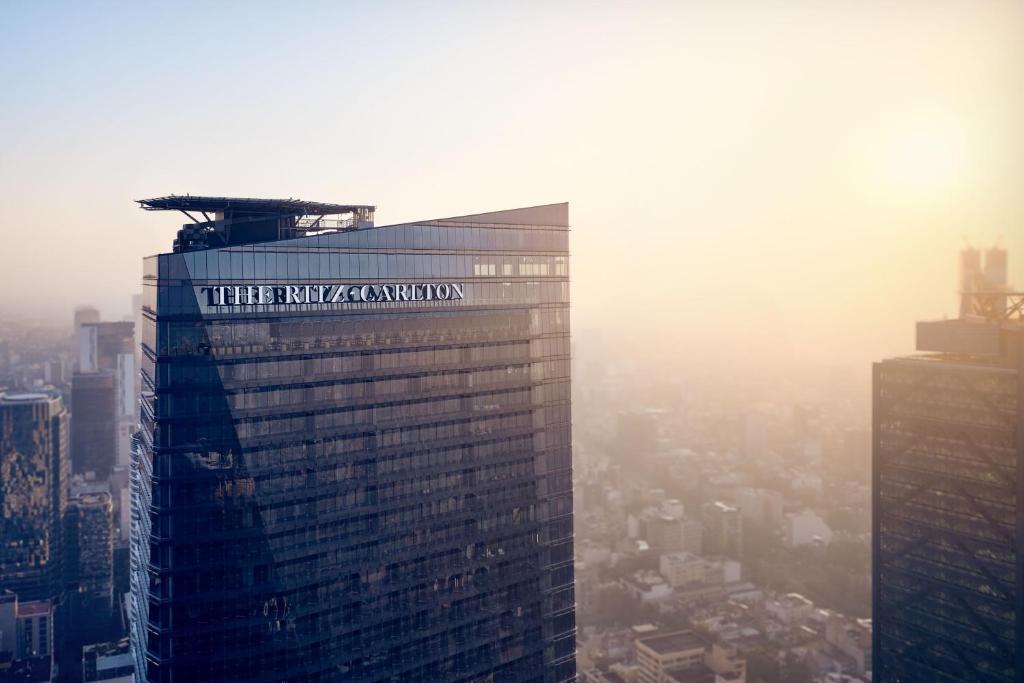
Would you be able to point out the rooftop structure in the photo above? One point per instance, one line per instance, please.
(697, 673)
(674, 642)
(26, 630)
(228, 221)
(23, 398)
(110, 662)
(34, 608)
(984, 291)
(990, 311)
(686, 657)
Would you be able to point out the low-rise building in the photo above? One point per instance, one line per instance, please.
(646, 587)
(593, 554)
(722, 570)
(26, 639)
(791, 609)
(760, 506)
(852, 638)
(666, 531)
(682, 568)
(805, 528)
(686, 657)
(111, 662)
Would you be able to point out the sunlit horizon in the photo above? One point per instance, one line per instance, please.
(795, 178)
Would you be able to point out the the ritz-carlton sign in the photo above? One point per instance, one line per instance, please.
(271, 295)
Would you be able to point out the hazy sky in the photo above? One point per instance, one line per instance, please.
(748, 180)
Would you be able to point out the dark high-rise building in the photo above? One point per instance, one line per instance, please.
(89, 576)
(354, 461)
(94, 422)
(33, 494)
(90, 544)
(948, 476)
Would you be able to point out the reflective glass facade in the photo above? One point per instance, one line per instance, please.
(370, 488)
(34, 476)
(948, 518)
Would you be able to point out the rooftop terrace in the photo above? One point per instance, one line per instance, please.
(673, 642)
(230, 221)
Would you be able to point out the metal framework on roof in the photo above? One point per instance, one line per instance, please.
(994, 306)
(249, 206)
(229, 221)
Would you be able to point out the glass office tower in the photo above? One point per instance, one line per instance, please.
(34, 476)
(354, 461)
(948, 468)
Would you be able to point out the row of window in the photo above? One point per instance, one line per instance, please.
(384, 239)
(318, 366)
(374, 332)
(241, 267)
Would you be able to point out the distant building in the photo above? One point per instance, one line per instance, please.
(89, 575)
(94, 422)
(805, 528)
(35, 628)
(722, 570)
(110, 662)
(103, 397)
(101, 343)
(90, 552)
(646, 587)
(55, 373)
(723, 529)
(33, 494)
(33, 670)
(685, 657)
(673, 508)
(124, 514)
(851, 638)
(791, 609)
(693, 535)
(84, 315)
(591, 553)
(682, 568)
(26, 628)
(948, 492)
(26, 639)
(664, 532)
(762, 507)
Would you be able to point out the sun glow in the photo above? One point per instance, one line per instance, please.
(923, 156)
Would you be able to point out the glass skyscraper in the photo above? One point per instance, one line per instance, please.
(354, 461)
(34, 474)
(948, 508)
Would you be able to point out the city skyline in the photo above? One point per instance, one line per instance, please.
(746, 149)
(263, 421)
